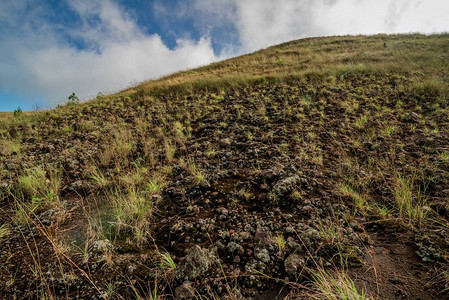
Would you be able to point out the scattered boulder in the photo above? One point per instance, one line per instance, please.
(285, 186)
(263, 255)
(294, 263)
(101, 248)
(263, 236)
(412, 117)
(196, 263)
(233, 247)
(185, 291)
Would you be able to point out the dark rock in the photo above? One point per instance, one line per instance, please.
(196, 263)
(233, 247)
(101, 248)
(289, 230)
(225, 141)
(264, 187)
(286, 186)
(204, 184)
(424, 141)
(293, 264)
(185, 291)
(263, 236)
(262, 255)
(307, 210)
(11, 166)
(412, 117)
(223, 211)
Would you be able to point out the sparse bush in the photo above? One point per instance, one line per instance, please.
(100, 95)
(18, 112)
(73, 99)
(427, 90)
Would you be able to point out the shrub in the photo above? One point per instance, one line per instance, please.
(73, 99)
(18, 112)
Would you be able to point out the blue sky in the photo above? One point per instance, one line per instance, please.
(51, 48)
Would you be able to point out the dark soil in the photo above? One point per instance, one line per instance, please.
(393, 270)
(295, 176)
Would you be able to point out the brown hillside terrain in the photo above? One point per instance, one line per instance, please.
(317, 168)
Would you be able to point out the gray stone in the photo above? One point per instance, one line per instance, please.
(263, 255)
(101, 248)
(289, 230)
(233, 247)
(263, 236)
(196, 263)
(286, 185)
(413, 117)
(293, 264)
(185, 291)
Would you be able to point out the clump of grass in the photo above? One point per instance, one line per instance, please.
(41, 186)
(117, 149)
(122, 143)
(170, 150)
(9, 147)
(335, 285)
(4, 231)
(245, 193)
(178, 131)
(167, 262)
(428, 89)
(136, 176)
(133, 210)
(281, 243)
(98, 177)
(211, 152)
(359, 200)
(409, 200)
(197, 173)
(444, 155)
(153, 187)
(330, 232)
(360, 122)
(389, 130)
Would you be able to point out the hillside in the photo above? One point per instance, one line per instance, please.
(317, 168)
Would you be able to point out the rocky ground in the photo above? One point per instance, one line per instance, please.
(287, 189)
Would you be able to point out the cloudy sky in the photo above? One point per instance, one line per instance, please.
(51, 48)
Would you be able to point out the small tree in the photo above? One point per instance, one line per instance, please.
(18, 112)
(73, 99)
(37, 107)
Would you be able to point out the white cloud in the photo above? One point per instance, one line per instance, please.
(35, 61)
(262, 23)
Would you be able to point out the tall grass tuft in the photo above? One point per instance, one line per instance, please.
(133, 210)
(335, 286)
(42, 186)
(409, 200)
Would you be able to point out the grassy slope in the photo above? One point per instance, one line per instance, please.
(359, 124)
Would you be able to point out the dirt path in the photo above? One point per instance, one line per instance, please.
(393, 270)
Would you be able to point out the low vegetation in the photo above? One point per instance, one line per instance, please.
(307, 169)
